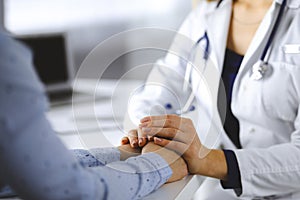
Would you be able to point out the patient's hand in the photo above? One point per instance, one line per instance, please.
(126, 151)
(135, 139)
(176, 163)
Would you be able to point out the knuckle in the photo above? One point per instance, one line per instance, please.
(171, 116)
(173, 131)
(167, 122)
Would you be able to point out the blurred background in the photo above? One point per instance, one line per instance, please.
(88, 22)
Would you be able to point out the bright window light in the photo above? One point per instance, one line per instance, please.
(38, 15)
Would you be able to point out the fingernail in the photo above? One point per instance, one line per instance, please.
(145, 119)
(157, 139)
(143, 125)
(140, 141)
(146, 129)
(150, 138)
(134, 142)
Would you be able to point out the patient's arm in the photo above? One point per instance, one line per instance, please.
(35, 162)
(102, 156)
(176, 163)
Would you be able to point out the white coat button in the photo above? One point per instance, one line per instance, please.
(252, 130)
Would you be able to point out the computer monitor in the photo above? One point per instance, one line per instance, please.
(52, 60)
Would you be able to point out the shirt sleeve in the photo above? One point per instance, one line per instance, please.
(136, 177)
(233, 173)
(36, 164)
(97, 156)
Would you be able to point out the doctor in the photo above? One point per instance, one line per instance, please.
(251, 66)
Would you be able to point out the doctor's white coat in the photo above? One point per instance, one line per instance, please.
(268, 110)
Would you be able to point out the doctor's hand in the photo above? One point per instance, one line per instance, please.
(176, 163)
(179, 134)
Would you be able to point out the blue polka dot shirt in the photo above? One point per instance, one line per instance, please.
(35, 164)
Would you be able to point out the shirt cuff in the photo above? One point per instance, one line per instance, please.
(159, 164)
(233, 173)
(151, 169)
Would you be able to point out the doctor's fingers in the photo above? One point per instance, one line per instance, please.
(176, 146)
(157, 117)
(165, 121)
(169, 133)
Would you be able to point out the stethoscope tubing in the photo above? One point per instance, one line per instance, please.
(274, 31)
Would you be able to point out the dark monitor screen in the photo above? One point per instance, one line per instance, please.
(49, 57)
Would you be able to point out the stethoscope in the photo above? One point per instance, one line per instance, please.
(259, 69)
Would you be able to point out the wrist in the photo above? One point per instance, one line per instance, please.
(213, 164)
(126, 151)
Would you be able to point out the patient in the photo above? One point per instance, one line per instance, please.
(36, 164)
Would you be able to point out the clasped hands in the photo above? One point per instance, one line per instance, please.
(172, 137)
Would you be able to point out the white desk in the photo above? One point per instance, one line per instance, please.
(109, 113)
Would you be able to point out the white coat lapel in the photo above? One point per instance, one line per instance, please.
(217, 25)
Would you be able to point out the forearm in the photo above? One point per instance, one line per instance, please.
(136, 177)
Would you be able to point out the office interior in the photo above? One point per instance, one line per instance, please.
(88, 23)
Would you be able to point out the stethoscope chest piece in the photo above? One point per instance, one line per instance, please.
(259, 70)
(262, 68)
